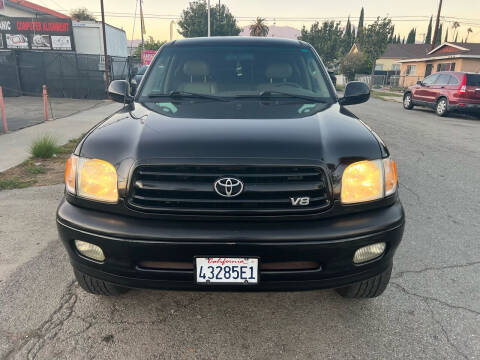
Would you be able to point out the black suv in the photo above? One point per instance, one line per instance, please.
(234, 166)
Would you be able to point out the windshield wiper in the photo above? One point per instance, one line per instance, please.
(186, 94)
(270, 93)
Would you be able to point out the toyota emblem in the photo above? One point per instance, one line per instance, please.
(228, 187)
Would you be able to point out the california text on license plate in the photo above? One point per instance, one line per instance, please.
(221, 270)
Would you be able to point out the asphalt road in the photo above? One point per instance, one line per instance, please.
(431, 310)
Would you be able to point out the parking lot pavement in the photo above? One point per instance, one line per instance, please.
(24, 111)
(431, 310)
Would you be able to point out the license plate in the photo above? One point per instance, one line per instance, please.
(221, 270)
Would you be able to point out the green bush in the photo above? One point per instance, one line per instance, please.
(44, 147)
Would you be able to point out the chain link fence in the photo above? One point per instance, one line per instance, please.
(66, 75)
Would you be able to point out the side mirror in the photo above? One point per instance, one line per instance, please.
(119, 91)
(420, 82)
(356, 92)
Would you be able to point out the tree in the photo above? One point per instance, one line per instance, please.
(446, 35)
(390, 37)
(327, 39)
(428, 38)
(82, 14)
(193, 21)
(439, 35)
(456, 38)
(469, 30)
(259, 28)
(150, 44)
(348, 37)
(353, 64)
(375, 40)
(411, 36)
(360, 28)
(455, 26)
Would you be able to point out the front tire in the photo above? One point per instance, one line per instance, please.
(442, 107)
(97, 286)
(369, 288)
(407, 101)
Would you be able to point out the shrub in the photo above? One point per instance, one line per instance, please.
(352, 64)
(44, 147)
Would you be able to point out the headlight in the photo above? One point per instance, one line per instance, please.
(368, 180)
(93, 179)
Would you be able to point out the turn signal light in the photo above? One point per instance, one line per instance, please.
(390, 168)
(71, 173)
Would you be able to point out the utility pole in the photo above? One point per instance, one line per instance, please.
(437, 24)
(107, 75)
(208, 17)
(142, 30)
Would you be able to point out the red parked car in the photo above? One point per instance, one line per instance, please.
(446, 91)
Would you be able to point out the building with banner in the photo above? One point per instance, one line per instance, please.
(38, 46)
(27, 26)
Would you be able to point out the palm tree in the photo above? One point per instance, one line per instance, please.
(259, 28)
(455, 26)
(469, 30)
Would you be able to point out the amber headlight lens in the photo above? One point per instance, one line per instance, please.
(362, 181)
(92, 179)
(368, 180)
(97, 180)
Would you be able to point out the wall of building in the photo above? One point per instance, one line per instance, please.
(116, 41)
(412, 79)
(387, 64)
(89, 39)
(12, 12)
(471, 65)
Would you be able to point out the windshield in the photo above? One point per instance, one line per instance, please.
(237, 71)
(142, 70)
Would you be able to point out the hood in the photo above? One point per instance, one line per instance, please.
(331, 135)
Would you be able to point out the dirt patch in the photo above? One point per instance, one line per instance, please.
(37, 171)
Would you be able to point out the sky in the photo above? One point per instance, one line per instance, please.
(296, 13)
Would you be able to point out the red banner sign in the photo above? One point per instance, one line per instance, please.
(147, 56)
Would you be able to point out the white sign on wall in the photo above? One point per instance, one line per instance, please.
(61, 43)
(16, 41)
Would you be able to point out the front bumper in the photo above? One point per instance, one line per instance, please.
(330, 242)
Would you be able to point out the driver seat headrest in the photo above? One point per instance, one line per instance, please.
(195, 68)
(279, 71)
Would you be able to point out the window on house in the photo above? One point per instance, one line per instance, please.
(411, 70)
(446, 67)
(396, 67)
(379, 67)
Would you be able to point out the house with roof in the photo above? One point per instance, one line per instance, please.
(24, 8)
(389, 61)
(445, 57)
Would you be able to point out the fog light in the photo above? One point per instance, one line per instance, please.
(369, 252)
(89, 250)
